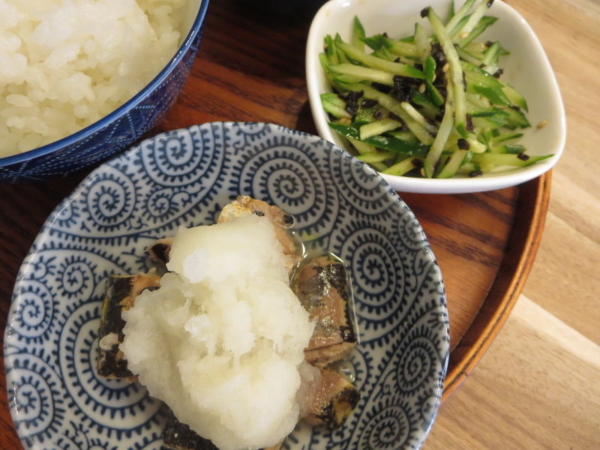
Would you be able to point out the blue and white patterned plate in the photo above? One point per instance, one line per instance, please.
(185, 177)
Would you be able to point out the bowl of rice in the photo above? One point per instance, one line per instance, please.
(81, 80)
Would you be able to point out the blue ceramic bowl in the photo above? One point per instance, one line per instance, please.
(185, 177)
(116, 131)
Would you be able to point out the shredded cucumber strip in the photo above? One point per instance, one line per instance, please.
(453, 164)
(335, 110)
(358, 34)
(477, 48)
(462, 12)
(378, 63)
(363, 73)
(422, 43)
(468, 56)
(376, 156)
(515, 97)
(406, 136)
(483, 24)
(506, 137)
(363, 148)
(475, 18)
(404, 49)
(375, 128)
(442, 136)
(475, 146)
(456, 73)
(402, 167)
(506, 159)
(418, 117)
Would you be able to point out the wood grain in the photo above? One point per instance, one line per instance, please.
(565, 276)
(538, 385)
(468, 234)
(536, 389)
(519, 254)
(251, 67)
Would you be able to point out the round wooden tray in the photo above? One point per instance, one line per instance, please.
(485, 245)
(251, 68)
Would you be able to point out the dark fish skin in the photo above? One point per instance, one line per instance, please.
(332, 400)
(321, 285)
(119, 295)
(179, 436)
(159, 251)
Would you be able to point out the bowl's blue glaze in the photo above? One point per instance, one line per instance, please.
(116, 131)
(185, 177)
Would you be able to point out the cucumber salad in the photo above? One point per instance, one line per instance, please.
(429, 105)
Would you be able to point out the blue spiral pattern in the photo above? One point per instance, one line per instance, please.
(75, 278)
(110, 199)
(109, 406)
(35, 397)
(33, 316)
(390, 425)
(185, 177)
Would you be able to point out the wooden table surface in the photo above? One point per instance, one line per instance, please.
(538, 387)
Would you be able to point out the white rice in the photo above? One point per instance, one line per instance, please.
(65, 64)
(222, 341)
